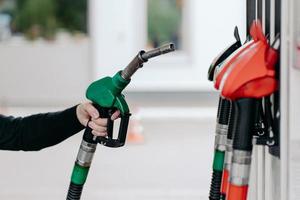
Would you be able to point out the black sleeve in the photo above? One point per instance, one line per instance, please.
(38, 131)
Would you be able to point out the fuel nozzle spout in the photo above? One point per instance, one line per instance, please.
(143, 57)
(158, 51)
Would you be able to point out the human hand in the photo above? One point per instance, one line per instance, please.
(86, 111)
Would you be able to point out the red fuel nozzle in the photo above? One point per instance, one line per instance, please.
(251, 74)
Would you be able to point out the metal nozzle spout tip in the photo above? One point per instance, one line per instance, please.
(167, 48)
(143, 57)
(158, 51)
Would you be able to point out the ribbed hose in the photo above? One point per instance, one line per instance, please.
(224, 112)
(74, 192)
(215, 186)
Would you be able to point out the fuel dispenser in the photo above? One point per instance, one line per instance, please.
(245, 78)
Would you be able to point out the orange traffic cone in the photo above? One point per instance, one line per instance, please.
(135, 131)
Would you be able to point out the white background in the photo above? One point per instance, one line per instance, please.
(118, 30)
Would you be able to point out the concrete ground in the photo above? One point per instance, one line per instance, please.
(174, 162)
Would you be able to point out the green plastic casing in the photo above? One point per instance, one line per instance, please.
(107, 92)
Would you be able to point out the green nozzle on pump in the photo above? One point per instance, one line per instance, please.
(107, 92)
(106, 95)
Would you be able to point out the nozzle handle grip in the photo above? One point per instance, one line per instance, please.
(103, 113)
(108, 141)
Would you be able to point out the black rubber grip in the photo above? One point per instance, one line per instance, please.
(104, 113)
(221, 57)
(215, 187)
(231, 123)
(245, 113)
(224, 112)
(74, 192)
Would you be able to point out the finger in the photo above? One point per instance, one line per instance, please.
(85, 122)
(91, 110)
(96, 133)
(100, 121)
(116, 115)
(97, 128)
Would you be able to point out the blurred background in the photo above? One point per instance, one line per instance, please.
(51, 50)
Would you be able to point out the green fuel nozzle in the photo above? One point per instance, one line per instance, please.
(106, 95)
